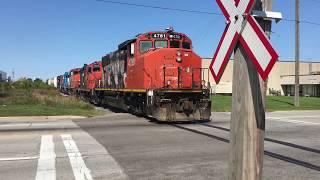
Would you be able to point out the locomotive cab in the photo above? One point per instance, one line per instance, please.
(74, 79)
(167, 60)
(94, 75)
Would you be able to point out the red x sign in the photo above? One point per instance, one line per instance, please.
(243, 28)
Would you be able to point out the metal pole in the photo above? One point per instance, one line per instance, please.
(297, 55)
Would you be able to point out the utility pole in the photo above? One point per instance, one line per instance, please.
(297, 56)
(248, 111)
(12, 75)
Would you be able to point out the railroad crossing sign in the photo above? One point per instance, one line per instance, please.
(242, 27)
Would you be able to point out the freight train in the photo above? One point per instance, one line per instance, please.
(156, 74)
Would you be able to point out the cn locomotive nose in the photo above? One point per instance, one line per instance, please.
(178, 69)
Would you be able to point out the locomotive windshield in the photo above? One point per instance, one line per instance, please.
(174, 44)
(145, 46)
(89, 69)
(74, 72)
(96, 68)
(186, 45)
(161, 44)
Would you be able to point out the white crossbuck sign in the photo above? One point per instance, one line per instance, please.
(242, 27)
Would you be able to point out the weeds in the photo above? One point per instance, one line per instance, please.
(27, 97)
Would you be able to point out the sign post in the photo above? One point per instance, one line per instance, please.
(254, 58)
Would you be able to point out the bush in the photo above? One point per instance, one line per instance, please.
(28, 83)
(4, 89)
(25, 91)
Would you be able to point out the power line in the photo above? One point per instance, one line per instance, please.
(190, 10)
(302, 21)
(316, 1)
(160, 7)
(310, 22)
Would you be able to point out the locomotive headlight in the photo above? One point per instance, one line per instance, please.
(188, 69)
(150, 93)
(179, 59)
(179, 53)
(168, 82)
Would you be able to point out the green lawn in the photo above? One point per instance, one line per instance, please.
(274, 103)
(41, 110)
(32, 98)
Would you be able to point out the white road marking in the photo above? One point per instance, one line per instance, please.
(290, 117)
(32, 124)
(108, 167)
(46, 164)
(15, 124)
(19, 158)
(283, 119)
(79, 168)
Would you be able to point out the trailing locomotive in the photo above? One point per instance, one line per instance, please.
(74, 79)
(156, 74)
(90, 79)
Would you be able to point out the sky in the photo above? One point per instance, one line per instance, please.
(44, 38)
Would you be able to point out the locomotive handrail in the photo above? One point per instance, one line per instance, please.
(179, 74)
(202, 74)
(179, 69)
(164, 76)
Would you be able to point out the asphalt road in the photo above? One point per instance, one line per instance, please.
(123, 146)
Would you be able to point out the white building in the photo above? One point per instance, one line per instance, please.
(280, 80)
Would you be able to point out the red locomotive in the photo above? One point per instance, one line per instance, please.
(156, 74)
(94, 75)
(74, 79)
(90, 78)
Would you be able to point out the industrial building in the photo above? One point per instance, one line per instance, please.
(3, 76)
(281, 79)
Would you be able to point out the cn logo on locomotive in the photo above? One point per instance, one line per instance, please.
(174, 36)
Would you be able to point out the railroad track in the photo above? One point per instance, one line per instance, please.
(271, 140)
(267, 153)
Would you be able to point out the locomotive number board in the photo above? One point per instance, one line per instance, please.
(165, 36)
(159, 35)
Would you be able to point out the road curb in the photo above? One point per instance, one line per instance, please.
(40, 117)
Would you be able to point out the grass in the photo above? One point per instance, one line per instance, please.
(221, 103)
(276, 103)
(40, 110)
(22, 101)
(273, 103)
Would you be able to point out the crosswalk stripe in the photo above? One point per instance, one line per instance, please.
(79, 168)
(46, 169)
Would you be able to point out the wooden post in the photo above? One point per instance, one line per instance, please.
(248, 113)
